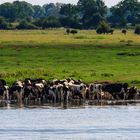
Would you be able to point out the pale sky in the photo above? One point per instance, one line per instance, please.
(41, 2)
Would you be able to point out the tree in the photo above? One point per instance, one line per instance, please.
(38, 11)
(23, 9)
(137, 29)
(52, 9)
(68, 10)
(103, 28)
(7, 10)
(16, 10)
(92, 11)
(126, 11)
(70, 16)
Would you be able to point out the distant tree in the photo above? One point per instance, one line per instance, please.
(103, 28)
(70, 16)
(92, 11)
(23, 9)
(137, 29)
(126, 11)
(52, 9)
(38, 11)
(8, 11)
(68, 10)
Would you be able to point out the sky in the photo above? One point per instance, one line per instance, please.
(109, 3)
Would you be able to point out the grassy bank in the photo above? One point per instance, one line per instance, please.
(53, 54)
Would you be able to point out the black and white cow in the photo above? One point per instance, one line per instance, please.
(133, 93)
(95, 91)
(16, 91)
(50, 95)
(34, 89)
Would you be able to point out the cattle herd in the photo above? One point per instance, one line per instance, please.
(67, 90)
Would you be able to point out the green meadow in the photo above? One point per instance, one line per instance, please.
(53, 54)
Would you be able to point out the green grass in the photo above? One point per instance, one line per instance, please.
(53, 54)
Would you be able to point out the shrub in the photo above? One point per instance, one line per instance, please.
(48, 22)
(26, 25)
(124, 31)
(3, 24)
(103, 28)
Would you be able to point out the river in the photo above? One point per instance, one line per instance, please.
(72, 123)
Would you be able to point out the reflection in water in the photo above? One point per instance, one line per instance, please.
(45, 105)
(66, 105)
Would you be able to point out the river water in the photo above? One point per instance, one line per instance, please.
(74, 123)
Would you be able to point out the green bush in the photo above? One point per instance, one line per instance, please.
(3, 23)
(49, 22)
(103, 28)
(26, 25)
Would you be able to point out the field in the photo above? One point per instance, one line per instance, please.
(52, 54)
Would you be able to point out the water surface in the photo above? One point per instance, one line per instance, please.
(76, 123)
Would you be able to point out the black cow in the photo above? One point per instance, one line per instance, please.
(2, 82)
(4, 94)
(111, 31)
(117, 90)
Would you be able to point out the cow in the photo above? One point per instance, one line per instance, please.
(67, 93)
(132, 93)
(78, 90)
(117, 90)
(27, 93)
(111, 31)
(4, 94)
(34, 89)
(50, 94)
(59, 92)
(95, 91)
(73, 32)
(16, 91)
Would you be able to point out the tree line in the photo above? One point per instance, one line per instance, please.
(86, 14)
